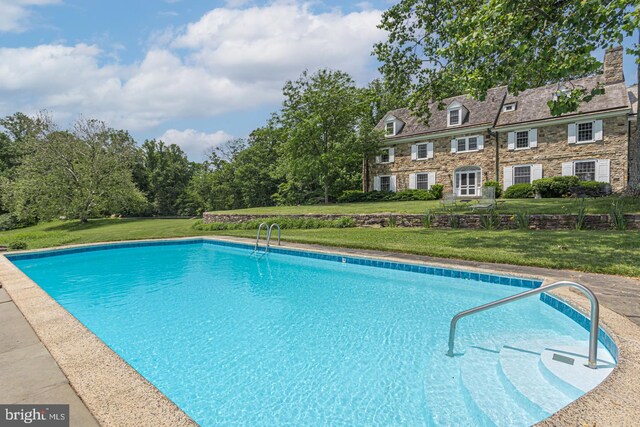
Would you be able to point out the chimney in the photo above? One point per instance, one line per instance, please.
(613, 65)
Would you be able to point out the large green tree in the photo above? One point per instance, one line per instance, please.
(78, 173)
(163, 175)
(319, 119)
(466, 46)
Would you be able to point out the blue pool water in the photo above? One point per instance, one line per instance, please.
(288, 340)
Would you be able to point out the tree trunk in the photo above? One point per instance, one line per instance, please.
(365, 174)
(326, 191)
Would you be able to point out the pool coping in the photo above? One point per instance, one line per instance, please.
(116, 394)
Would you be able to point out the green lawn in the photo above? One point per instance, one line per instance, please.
(508, 206)
(613, 252)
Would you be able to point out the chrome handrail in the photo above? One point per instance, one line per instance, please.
(595, 315)
(255, 249)
(269, 235)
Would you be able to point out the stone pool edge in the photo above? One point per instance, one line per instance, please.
(116, 394)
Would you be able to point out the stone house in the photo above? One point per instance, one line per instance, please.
(511, 139)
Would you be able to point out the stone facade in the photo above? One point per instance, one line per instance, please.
(444, 163)
(553, 149)
(473, 221)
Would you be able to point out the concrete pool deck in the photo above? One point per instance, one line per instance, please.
(102, 387)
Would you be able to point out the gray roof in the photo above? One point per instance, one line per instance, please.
(480, 113)
(532, 103)
(633, 98)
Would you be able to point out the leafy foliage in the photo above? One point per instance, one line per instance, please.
(354, 196)
(519, 191)
(283, 222)
(79, 173)
(496, 185)
(468, 47)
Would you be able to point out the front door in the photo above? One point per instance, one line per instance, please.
(467, 183)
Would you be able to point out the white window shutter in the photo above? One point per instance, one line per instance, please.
(432, 178)
(392, 183)
(454, 145)
(430, 150)
(598, 134)
(414, 152)
(412, 181)
(378, 159)
(511, 140)
(536, 172)
(533, 138)
(507, 178)
(571, 132)
(392, 155)
(376, 183)
(603, 170)
(567, 169)
(481, 142)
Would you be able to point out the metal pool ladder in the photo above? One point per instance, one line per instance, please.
(595, 314)
(269, 230)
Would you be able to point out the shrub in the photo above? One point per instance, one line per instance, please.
(284, 222)
(356, 196)
(519, 191)
(454, 221)
(407, 195)
(590, 189)
(17, 245)
(392, 221)
(496, 185)
(557, 186)
(8, 222)
(437, 190)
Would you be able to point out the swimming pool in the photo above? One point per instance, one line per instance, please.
(303, 340)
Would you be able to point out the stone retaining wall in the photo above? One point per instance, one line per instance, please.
(536, 222)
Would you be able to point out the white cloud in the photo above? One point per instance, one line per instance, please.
(195, 144)
(16, 13)
(229, 60)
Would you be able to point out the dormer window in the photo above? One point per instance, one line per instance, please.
(509, 107)
(390, 128)
(454, 117)
(455, 114)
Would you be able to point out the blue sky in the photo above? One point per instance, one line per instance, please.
(195, 73)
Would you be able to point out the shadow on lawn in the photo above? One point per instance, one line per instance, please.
(76, 225)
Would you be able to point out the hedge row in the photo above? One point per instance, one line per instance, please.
(355, 196)
(283, 222)
(558, 186)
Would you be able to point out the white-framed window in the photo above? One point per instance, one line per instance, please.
(385, 183)
(522, 139)
(585, 132)
(390, 128)
(509, 107)
(423, 151)
(387, 155)
(384, 157)
(522, 174)
(454, 116)
(468, 181)
(588, 169)
(422, 181)
(467, 143)
(585, 170)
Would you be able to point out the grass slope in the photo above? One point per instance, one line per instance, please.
(612, 252)
(539, 206)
